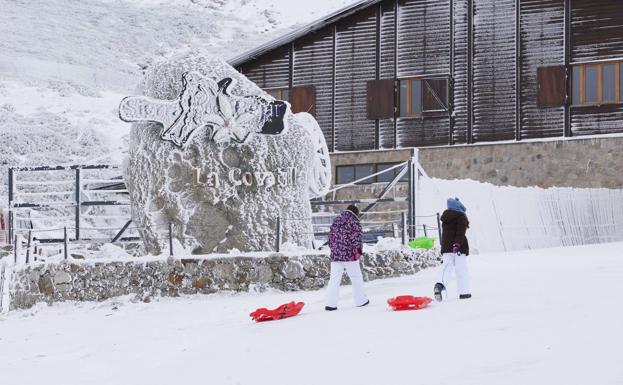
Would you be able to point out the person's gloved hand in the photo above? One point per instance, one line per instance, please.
(456, 248)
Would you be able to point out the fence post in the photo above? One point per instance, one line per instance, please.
(410, 218)
(278, 240)
(405, 237)
(424, 227)
(65, 241)
(439, 228)
(28, 246)
(170, 239)
(15, 249)
(78, 202)
(10, 224)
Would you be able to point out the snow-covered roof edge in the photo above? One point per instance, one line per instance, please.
(309, 28)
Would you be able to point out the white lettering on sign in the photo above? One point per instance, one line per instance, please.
(282, 177)
(261, 177)
(247, 179)
(211, 179)
(233, 178)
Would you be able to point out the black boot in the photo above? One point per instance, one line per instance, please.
(329, 308)
(439, 288)
(365, 304)
(465, 296)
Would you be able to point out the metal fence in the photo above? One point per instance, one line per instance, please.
(67, 198)
(29, 243)
(69, 190)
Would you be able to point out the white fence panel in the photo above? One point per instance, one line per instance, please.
(514, 218)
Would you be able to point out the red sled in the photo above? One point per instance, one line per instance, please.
(409, 302)
(284, 311)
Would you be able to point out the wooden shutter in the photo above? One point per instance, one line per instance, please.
(303, 99)
(434, 94)
(551, 86)
(380, 99)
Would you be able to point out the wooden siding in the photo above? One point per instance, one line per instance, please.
(596, 29)
(597, 34)
(494, 70)
(423, 49)
(594, 120)
(355, 64)
(270, 71)
(423, 37)
(313, 65)
(387, 68)
(542, 44)
(459, 133)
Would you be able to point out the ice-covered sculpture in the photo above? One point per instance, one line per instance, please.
(220, 159)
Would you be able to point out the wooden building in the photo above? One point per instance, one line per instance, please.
(387, 74)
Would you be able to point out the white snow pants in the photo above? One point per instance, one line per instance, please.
(457, 263)
(356, 278)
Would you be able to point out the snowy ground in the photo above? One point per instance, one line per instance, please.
(549, 316)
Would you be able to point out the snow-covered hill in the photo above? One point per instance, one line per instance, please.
(540, 317)
(65, 64)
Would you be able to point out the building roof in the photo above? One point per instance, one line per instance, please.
(294, 35)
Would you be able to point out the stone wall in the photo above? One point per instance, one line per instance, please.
(80, 280)
(573, 162)
(584, 163)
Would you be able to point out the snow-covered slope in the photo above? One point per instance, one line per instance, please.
(537, 317)
(65, 64)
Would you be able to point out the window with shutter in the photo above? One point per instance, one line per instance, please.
(435, 95)
(418, 95)
(551, 90)
(303, 99)
(380, 99)
(597, 83)
(281, 93)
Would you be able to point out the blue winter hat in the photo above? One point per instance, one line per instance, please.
(455, 205)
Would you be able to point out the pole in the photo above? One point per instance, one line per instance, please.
(424, 227)
(405, 237)
(278, 238)
(170, 239)
(10, 224)
(439, 228)
(77, 203)
(65, 241)
(410, 200)
(15, 249)
(415, 169)
(28, 246)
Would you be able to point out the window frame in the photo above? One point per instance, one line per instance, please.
(409, 81)
(280, 90)
(582, 86)
(396, 171)
(337, 173)
(375, 169)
